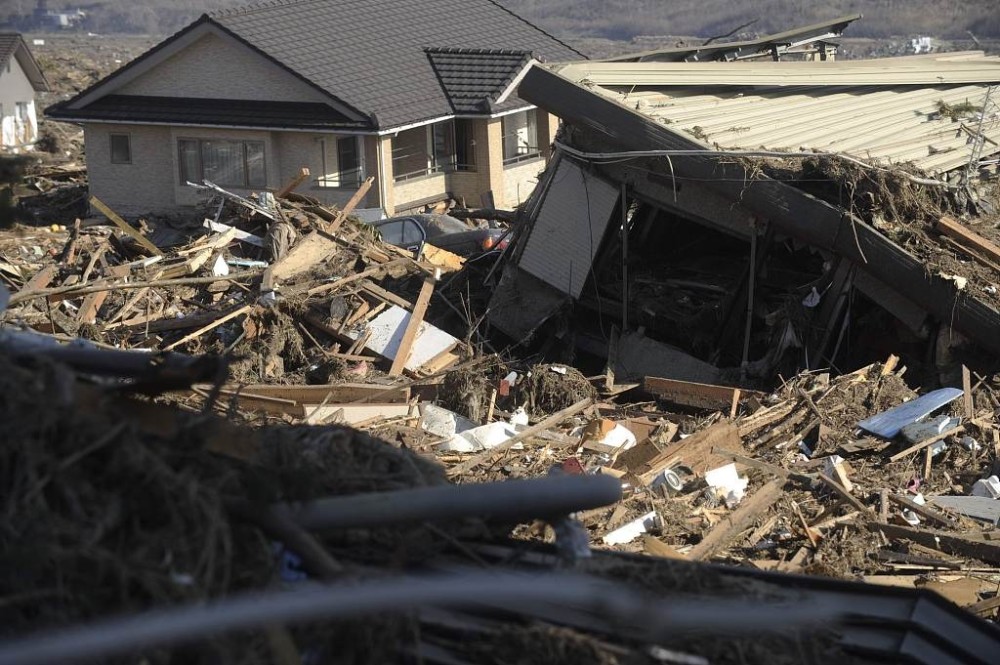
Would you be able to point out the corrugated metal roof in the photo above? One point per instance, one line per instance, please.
(884, 110)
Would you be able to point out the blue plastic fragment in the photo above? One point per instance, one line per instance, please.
(889, 423)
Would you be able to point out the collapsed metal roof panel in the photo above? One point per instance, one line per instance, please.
(921, 110)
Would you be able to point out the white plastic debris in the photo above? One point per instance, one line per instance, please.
(727, 484)
(812, 299)
(606, 436)
(988, 487)
(632, 530)
(910, 517)
(483, 437)
(220, 268)
(937, 448)
(970, 444)
(519, 417)
(442, 422)
(558, 369)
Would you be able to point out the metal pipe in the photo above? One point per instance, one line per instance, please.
(516, 500)
(617, 604)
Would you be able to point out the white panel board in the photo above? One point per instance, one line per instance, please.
(569, 228)
(387, 332)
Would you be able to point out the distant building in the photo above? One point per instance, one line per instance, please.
(20, 79)
(59, 19)
(922, 44)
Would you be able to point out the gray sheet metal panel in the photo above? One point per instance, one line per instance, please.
(569, 228)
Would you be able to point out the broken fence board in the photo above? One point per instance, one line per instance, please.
(689, 393)
(125, 227)
(733, 525)
(964, 236)
(352, 414)
(413, 324)
(695, 452)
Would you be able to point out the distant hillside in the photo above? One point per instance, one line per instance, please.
(610, 19)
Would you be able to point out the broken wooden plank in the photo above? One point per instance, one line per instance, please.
(204, 329)
(689, 393)
(412, 328)
(970, 409)
(844, 495)
(545, 424)
(385, 336)
(352, 414)
(925, 443)
(964, 236)
(924, 511)
(695, 451)
(944, 541)
(733, 525)
(985, 608)
(351, 204)
(315, 394)
(125, 227)
(93, 301)
(239, 234)
(290, 186)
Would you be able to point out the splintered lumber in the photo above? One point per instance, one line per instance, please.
(732, 526)
(534, 430)
(204, 329)
(764, 417)
(953, 229)
(412, 327)
(92, 302)
(924, 511)
(944, 541)
(688, 393)
(315, 394)
(844, 495)
(696, 451)
(925, 443)
(985, 608)
(124, 226)
(350, 205)
(300, 178)
(41, 280)
(74, 291)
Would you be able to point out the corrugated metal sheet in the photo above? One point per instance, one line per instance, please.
(569, 227)
(879, 110)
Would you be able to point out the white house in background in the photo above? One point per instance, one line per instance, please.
(418, 94)
(20, 79)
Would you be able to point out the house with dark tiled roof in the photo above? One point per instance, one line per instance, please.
(20, 79)
(419, 94)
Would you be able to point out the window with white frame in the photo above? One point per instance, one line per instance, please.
(341, 162)
(520, 136)
(224, 162)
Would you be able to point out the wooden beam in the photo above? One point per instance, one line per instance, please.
(925, 443)
(350, 205)
(924, 511)
(970, 409)
(412, 328)
(92, 302)
(290, 186)
(214, 324)
(964, 236)
(545, 424)
(732, 526)
(943, 541)
(125, 227)
(844, 495)
(688, 393)
(696, 451)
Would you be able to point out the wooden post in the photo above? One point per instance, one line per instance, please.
(293, 183)
(412, 328)
(732, 526)
(970, 408)
(351, 205)
(214, 324)
(124, 226)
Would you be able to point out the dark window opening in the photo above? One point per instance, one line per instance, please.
(222, 162)
(121, 149)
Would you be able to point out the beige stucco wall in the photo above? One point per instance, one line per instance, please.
(410, 192)
(145, 185)
(217, 67)
(16, 87)
(519, 181)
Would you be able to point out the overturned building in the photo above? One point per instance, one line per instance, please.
(762, 217)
